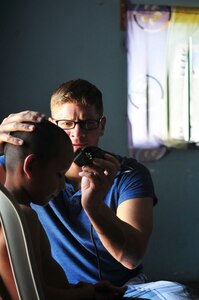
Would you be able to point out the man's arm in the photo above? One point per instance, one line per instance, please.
(138, 214)
(125, 234)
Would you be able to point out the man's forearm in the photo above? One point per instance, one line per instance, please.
(124, 242)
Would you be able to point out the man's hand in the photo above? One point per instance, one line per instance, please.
(97, 178)
(15, 122)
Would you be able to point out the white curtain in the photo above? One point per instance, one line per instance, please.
(163, 74)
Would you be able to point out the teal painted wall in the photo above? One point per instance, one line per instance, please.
(44, 43)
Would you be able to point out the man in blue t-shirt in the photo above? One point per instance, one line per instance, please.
(99, 227)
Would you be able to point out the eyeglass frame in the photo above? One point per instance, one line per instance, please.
(80, 123)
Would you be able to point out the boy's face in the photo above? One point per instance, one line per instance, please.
(77, 112)
(48, 180)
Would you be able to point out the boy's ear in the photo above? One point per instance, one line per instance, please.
(28, 165)
(52, 120)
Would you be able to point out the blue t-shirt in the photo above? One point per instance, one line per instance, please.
(69, 229)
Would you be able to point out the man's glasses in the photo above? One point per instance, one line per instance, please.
(84, 124)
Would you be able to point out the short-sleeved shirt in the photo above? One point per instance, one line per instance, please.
(71, 235)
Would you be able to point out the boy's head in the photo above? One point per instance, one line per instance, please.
(35, 170)
(77, 91)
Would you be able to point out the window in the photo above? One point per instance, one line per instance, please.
(163, 76)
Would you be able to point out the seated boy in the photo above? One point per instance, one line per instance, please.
(35, 172)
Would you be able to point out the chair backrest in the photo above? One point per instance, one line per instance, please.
(19, 248)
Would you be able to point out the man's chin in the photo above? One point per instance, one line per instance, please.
(75, 147)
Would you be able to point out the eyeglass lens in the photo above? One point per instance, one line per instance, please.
(84, 124)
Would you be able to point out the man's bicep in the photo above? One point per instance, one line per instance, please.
(138, 213)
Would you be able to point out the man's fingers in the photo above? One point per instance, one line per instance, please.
(31, 116)
(7, 138)
(15, 122)
(15, 126)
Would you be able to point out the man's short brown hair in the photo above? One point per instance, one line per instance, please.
(78, 91)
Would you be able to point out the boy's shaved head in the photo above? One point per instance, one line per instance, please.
(46, 142)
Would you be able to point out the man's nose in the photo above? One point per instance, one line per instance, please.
(76, 130)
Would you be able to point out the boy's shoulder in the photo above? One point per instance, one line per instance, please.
(28, 210)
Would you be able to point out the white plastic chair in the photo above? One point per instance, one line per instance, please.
(19, 248)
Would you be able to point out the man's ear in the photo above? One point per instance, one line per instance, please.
(28, 165)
